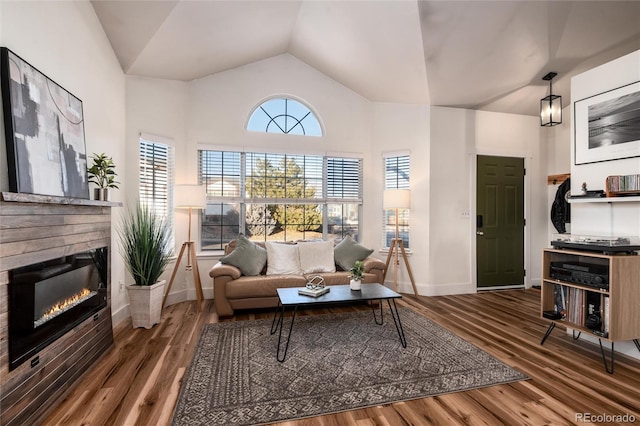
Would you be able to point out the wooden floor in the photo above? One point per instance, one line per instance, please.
(138, 382)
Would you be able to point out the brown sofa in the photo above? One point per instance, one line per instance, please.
(232, 290)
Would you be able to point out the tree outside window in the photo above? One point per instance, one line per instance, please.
(278, 197)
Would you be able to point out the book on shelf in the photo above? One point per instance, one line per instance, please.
(575, 304)
(313, 292)
(625, 183)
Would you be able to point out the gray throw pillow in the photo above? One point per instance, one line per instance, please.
(247, 256)
(348, 251)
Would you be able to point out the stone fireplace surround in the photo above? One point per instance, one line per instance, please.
(33, 228)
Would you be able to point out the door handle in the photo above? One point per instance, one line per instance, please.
(479, 233)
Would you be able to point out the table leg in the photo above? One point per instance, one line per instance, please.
(549, 330)
(396, 319)
(373, 309)
(286, 348)
(277, 323)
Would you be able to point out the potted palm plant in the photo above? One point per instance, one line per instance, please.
(144, 239)
(102, 172)
(357, 275)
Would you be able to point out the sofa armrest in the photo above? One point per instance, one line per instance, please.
(222, 274)
(371, 263)
(376, 267)
(223, 269)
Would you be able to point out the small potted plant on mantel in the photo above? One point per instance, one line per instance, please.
(144, 239)
(103, 174)
(357, 275)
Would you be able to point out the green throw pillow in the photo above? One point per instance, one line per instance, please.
(348, 251)
(247, 256)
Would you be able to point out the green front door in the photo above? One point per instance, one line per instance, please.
(500, 221)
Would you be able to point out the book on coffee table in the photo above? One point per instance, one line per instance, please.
(313, 292)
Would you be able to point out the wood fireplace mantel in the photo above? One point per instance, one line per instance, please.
(51, 199)
(34, 228)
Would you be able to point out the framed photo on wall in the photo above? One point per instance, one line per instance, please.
(44, 127)
(607, 125)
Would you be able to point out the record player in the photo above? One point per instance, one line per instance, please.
(603, 244)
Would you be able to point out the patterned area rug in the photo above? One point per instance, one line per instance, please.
(335, 363)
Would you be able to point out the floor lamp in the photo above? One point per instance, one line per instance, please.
(188, 197)
(397, 199)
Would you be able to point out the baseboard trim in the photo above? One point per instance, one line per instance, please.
(449, 289)
(503, 287)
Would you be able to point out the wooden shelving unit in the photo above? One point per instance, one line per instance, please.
(623, 294)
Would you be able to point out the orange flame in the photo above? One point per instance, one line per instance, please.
(62, 306)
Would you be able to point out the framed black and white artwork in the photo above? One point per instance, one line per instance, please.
(44, 127)
(607, 125)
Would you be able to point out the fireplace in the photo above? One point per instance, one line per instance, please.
(46, 243)
(49, 298)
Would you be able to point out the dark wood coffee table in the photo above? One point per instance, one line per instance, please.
(289, 297)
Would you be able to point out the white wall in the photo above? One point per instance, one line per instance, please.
(557, 151)
(613, 218)
(398, 127)
(65, 41)
(214, 111)
(457, 137)
(453, 134)
(605, 218)
(157, 107)
(220, 104)
(442, 251)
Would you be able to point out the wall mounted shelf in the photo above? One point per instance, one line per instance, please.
(605, 200)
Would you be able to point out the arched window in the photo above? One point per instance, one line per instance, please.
(284, 115)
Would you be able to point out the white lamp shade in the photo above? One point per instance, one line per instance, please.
(190, 196)
(396, 199)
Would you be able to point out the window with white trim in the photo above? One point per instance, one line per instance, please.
(157, 177)
(396, 176)
(281, 197)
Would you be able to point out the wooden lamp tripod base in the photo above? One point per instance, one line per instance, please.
(397, 199)
(190, 248)
(396, 246)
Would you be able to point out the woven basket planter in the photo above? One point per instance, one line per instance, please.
(145, 304)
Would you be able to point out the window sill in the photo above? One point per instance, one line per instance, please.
(203, 255)
(386, 251)
(210, 254)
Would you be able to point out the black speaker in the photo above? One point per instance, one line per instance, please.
(593, 322)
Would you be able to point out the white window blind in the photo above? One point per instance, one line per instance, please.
(221, 173)
(344, 179)
(396, 172)
(396, 176)
(157, 177)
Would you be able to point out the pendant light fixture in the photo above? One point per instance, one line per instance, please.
(550, 106)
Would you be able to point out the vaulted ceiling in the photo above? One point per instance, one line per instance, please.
(488, 55)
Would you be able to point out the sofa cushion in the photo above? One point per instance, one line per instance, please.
(282, 259)
(316, 256)
(246, 256)
(348, 251)
(262, 285)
